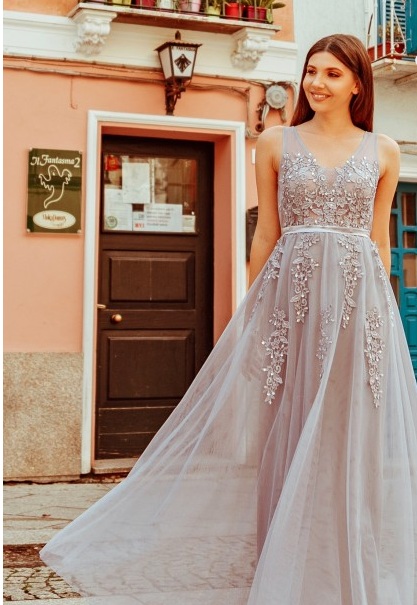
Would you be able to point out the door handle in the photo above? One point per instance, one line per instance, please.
(116, 318)
(100, 306)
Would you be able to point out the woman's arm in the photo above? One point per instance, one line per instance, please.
(389, 162)
(268, 231)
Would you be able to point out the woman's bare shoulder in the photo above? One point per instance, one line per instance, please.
(269, 143)
(388, 152)
(387, 147)
(271, 136)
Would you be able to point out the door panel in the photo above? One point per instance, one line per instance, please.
(149, 364)
(142, 276)
(155, 285)
(111, 443)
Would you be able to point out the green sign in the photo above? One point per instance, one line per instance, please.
(54, 191)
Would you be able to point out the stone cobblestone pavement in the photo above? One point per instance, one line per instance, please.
(34, 513)
(34, 583)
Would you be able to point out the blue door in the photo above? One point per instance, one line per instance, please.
(403, 233)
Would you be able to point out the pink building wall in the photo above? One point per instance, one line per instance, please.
(46, 104)
(56, 118)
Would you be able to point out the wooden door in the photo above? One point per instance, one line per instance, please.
(155, 291)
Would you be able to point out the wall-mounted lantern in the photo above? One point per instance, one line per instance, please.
(177, 61)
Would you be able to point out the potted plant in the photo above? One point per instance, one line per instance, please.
(213, 7)
(260, 10)
(167, 5)
(232, 10)
(189, 6)
(144, 3)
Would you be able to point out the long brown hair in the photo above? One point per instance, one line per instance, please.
(352, 53)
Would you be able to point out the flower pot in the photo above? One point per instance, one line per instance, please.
(166, 5)
(231, 10)
(213, 11)
(255, 13)
(190, 6)
(144, 3)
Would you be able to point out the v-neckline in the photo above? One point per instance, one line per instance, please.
(339, 166)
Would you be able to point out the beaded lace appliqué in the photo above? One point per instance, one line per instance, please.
(271, 271)
(351, 272)
(313, 195)
(325, 340)
(384, 279)
(276, 349)
(373, 351)
(302, 270)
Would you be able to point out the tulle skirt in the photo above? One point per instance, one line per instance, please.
(287, 474)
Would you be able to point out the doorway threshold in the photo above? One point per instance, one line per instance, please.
(114, 465)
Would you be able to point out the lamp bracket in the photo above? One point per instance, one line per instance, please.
(251, 44)
(93, 29)
(173, 90)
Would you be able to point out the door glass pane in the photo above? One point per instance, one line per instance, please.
(395, 283)
(149, 194)
(409, 209)
(409, 239)
(410, 270)
(393, 231)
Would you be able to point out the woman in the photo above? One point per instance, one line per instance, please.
(286, 476)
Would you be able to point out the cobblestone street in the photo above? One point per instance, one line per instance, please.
(26, 578)
(34, 513)
(31, 583)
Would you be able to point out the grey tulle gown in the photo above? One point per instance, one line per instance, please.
(287, 475)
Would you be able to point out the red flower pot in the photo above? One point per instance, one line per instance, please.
(144, 3)
(231, 10)
(256, 13)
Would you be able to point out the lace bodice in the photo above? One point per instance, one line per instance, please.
(310, 194)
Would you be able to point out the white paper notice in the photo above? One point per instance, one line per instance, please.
(136, 180)
(117, 215)
(188, 223)
(159, 217)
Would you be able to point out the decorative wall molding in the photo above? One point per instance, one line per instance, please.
(251, 45)
(93, 30)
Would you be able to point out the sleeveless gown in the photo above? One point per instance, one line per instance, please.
(287, 475)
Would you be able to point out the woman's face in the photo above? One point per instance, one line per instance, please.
(328, 83)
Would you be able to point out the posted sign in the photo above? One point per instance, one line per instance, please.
(54, 191)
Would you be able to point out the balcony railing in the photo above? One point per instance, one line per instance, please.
(392, 31)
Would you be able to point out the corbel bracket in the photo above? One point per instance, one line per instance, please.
(93, 29)
(251, 44)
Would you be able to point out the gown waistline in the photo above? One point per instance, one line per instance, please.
(325, 229)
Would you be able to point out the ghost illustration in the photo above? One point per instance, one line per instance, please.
(54, 182)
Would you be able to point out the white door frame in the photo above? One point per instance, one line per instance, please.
(96, 119)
